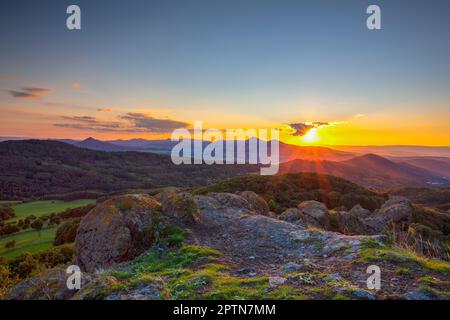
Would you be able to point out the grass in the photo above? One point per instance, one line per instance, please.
(44, 207)
(189, 272)
(404, 257)
(28, 241)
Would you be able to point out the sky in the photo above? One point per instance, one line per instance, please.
(140, 69)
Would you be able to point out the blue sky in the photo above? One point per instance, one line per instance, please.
(244, 58)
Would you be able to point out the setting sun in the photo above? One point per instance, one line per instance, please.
(310, 137)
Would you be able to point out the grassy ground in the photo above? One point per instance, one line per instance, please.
(30, 240)
(43, 207)
(27, 241)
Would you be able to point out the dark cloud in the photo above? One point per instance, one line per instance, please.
(131, 122)
(30, 93)
(152, 124)
(302, 128)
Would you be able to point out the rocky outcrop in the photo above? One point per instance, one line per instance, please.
(97, 288)
(315, 214)
(397, 209)
(309, 213)
(291, 215)
(227, 223)
(394, 212)
(116, 230)
(180, 207)
(255, 202)
(246, 200)
(352, 222)
(49, 285)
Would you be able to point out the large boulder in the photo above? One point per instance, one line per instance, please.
(48, 285)
(180, 207)
(315, 214)
(349, 223)
(206, 203)
(116, 230)
(230, 200)
(291, 215)
(255, 202)
(394, 212)
(359, 212)
(397, 209)
(352, 222)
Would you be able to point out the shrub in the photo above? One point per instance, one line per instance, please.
(10, 244)
(66, 232)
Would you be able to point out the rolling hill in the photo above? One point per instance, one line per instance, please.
(438, 165)
(36, 168)
(288, 152)
(370, 171)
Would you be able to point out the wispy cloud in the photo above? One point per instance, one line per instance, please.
(29, 93)
(129, 122)
(104, 110)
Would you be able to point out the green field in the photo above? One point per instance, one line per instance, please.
(30, 240)
(43, 207)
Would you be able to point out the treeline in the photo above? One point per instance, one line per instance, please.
(27, 264)
(37, 223)
(287, 191)
(34, 169)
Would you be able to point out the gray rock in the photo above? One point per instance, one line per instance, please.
(255, 202)
(180, 207)
(291, 215)
(332, 277)
(49, 285)
(116, 230)
(291, 267)
(363, 294)
(315, 214)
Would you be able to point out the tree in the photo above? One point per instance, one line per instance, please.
(37, 225)
(10, 244)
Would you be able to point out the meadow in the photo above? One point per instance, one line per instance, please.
(30, 240)
(43, 207)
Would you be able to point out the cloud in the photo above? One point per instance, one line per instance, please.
(302, 128)
(29, 93)
(129, 122)
(153, 124)
(104, 110)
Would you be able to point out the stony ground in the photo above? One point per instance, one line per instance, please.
(224, 248)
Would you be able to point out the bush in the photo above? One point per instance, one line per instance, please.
(6, 213)
(288, 190)
(10, 244)
(29, 264)
(66, 232)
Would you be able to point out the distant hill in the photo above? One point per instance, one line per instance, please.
(287, 151)
(438, 165)
(398, 151)
(370, 171)
(438, 198)
(287, 191)
(94, 144)
(36, 168)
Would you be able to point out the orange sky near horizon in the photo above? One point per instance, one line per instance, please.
(373, 129)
